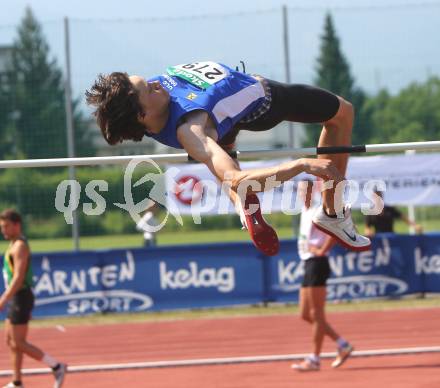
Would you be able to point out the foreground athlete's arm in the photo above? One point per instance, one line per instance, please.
(324, 248)
(196, 136)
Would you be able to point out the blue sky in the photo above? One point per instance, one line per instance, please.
(388, 43)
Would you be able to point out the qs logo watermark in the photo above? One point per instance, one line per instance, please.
(67, 198)
(202, 196)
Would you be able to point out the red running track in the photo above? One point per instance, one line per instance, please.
(248, 336)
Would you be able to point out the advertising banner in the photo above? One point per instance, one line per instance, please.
(146, 279)
(408, 180)
(209, 275)
(193, 189)
(390, 269)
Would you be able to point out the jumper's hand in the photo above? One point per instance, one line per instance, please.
(322, 168)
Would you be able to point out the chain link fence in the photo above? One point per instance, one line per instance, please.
(387, 47)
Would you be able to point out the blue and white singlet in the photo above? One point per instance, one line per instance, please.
(225, 94)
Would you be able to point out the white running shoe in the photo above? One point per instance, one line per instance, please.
(342, 229)
(343, 353)
(307, 365)
(59, 375)
(11, 385)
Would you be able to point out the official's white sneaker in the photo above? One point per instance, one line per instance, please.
(342, 229)
(343, 353)
(11, 385)
(307, 365)
(59, 375)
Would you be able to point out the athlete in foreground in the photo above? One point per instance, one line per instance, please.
(17, 271)
(202, 106)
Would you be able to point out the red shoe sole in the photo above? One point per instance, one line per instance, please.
(342, 242)
(262, 234)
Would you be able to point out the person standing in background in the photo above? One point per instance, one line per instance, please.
(313, 248)
(17, 271)
(384, 221)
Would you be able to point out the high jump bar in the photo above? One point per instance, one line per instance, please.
(259, 154)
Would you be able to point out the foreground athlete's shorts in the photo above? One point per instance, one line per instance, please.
(316, 272)
(20, 307)
(290, 102)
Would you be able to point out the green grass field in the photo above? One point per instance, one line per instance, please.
(172, 238)
(135, 240)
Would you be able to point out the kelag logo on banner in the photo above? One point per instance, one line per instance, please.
(223, 279)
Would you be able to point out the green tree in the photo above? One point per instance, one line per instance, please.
(411, 115)
(333, 73)
(332, 69)
(38, 98)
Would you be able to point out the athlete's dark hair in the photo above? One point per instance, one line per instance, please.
(10, 215)
(117, 108)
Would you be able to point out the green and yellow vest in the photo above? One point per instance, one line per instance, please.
(8, 267)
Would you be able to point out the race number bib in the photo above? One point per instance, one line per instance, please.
(201, 74)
